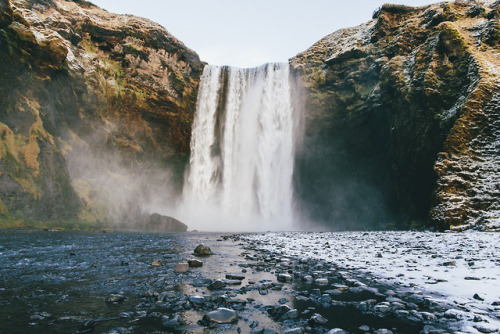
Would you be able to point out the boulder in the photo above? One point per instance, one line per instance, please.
(195, 263)
(202, 249)
(156, 263)
(159, 223)
(221, 316)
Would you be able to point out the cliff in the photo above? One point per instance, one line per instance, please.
(403, 120)
(91, 105)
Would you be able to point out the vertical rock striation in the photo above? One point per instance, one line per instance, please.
(402, 119)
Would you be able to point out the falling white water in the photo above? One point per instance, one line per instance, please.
(242, 151)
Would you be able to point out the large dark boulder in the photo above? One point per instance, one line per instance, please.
(159, 223)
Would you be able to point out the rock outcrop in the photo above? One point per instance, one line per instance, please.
(91, 95)
(159, 223)
(403, 119)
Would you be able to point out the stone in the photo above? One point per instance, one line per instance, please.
(296, 330)
(203, 250)
(197, 300)
(317, 320)
(181, 268)
(159, 223)
(173, 322)
(382, 308)
(383, 331)
(486, 328)
(195, 263)
(292, 314)
(336, 331)
(284, 278)
(321, 281)
(156, 263)
(216, 285)
(478, 297)
(278, 311)
(238, 277)
(222, 316)
(449, 264)
(115, 298)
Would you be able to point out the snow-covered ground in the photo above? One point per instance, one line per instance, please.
(459, 270)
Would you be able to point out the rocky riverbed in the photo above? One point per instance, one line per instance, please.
(253, 283)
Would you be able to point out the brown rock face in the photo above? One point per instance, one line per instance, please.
(91, 95)
(402, 120)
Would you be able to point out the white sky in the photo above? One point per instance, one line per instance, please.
(248, 33)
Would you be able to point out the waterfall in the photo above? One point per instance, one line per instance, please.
(242, 151)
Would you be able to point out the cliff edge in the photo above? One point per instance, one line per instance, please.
(403, 120)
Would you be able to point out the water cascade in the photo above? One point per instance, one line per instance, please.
(242, 151)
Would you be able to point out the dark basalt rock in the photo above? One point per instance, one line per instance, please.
(159, 223)
(221, 316)
(202, 250)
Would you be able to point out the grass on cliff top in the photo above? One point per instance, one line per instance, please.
(62, 225)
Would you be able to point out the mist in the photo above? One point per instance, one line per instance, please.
(118, 189)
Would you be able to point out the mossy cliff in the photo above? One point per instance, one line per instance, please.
(402, 120)
(83, 89)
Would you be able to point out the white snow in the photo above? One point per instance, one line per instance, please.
(448, 268)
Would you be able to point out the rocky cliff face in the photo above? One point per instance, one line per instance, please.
(402, 119)
(91, 103)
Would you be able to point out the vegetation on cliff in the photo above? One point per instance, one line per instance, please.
(91, 104)
(402, 119)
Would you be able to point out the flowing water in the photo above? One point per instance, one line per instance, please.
(60, 282)
(242, 151)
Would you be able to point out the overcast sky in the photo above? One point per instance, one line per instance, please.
(248, 33)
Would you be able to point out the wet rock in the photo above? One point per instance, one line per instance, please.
(321, 281)
(336, 331)
(292, 314)
(115, 298)
(156, 263)
(296, 330)
(197, 300)
(172, 322)
(282, 301)
(238, 277)
(307, 278)
(486, 328)
(449, 264)
(221, 316)
(383, 331)
(231, 281)
(278, 311)
(284, 278)
(181, 268)
(159, 223)
(317, 320)
(216, 285)
(195, 263)
(203, 250)
(364, 328)
(478, 297)
(382, 308)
